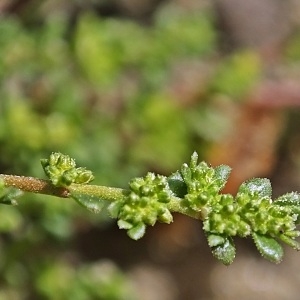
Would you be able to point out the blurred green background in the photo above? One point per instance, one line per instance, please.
(127, 87)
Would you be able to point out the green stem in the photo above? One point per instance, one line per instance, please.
(41, 186)
(175, 206)
(110, 194)
(113, 194)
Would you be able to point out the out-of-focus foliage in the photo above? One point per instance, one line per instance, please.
(101, 280)
(293, 48)
(244, 68)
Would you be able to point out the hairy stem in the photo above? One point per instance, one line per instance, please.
(34, 185)
(175, 206)
(104, 192)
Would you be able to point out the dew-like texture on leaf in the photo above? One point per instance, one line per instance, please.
(288, 199)
(261, 186)
(268, 247)
(222, 174)
(225, 252)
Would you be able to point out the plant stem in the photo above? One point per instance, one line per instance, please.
(104, 192)
(175, 206)
(111, 194)
(34, 185)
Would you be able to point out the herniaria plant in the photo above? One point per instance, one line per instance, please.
(194, 190)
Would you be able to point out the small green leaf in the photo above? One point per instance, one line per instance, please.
(289, 199)
(9, 196)
(261, 186)
(124, 224)
(137, 231)
(91, 203)
(222, 173)
(290, 241)
(268, 247)
(186, 173)
(225, 252)
(8, 201)
(194, 160)
(114, 209)
(177, 185)
(215, 240)
(165, 216)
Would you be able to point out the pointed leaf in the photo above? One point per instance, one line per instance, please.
(291, 200)
(186, 173)
(92, 203)
(225, 252)
(222, 173)
(268, 247)
(177, 185)
(290, 241)
(194, 160)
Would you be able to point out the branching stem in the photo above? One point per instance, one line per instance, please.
(41, 186)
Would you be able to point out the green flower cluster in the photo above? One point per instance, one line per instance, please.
(145, 204)
(61, 170)
(194, 190)
(251, 212)
(203, 185)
